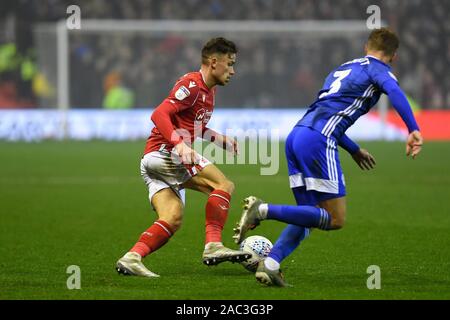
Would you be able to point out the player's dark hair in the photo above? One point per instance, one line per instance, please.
(217, 45)
(383, 39)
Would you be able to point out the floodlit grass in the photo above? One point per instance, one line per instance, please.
(83, 203)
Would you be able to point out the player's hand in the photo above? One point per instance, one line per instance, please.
(364, 159)
(186, 153)
(414, 144)
(231, 145)
(227, 143)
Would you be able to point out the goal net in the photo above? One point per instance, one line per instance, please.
(280, 64)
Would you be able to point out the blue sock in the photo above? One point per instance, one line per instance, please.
(289, 239)
(304, 216)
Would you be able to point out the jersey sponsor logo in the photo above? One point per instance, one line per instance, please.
(200, 115)
(392, 76)
(191, 84)
(182, 93)
(203, 116)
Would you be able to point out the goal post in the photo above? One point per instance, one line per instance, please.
(281, 64)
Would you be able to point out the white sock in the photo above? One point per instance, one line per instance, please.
(271, 264)
(263, 209)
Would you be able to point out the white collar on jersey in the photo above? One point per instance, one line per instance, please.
(370, 56)
(373, 57)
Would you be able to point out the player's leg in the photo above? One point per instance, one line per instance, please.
(308, 155)
(208, 179)
(313, 163)
(168, 205)
(292, 235)
(288, 241)
(269, 270)
(309, 216)
(211, 181)
(328, 215)
(310, 202)
(169, 209)
(337, 208)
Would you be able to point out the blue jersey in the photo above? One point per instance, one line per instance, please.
(348, 92)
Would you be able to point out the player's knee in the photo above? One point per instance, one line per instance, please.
(227, 186)
(175, 221)
(173, 215)
(337, 223)
(337, 216)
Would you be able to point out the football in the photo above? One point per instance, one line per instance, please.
(259, 247)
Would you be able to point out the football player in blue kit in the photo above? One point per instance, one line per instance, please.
(315, 173)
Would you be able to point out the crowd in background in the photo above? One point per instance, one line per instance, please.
(281, 71)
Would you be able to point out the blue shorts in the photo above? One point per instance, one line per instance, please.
(314, 168)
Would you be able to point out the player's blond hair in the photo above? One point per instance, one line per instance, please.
(383, 39)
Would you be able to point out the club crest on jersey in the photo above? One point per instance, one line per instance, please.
(182, 93)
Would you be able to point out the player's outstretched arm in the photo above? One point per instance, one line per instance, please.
(401, 105)
(228, 143)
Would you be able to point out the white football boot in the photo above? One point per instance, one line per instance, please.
(250, 218)
(131, 264)
(270, 277)
(216, 252)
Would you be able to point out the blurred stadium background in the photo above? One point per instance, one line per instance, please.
(104, 65)
(70, 202)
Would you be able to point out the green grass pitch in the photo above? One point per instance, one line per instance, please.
(83, 203)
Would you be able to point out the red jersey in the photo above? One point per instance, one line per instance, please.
(189, 106)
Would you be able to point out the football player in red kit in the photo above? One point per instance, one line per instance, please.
(169, 164)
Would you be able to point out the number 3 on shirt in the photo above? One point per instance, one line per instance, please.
(336, 84)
